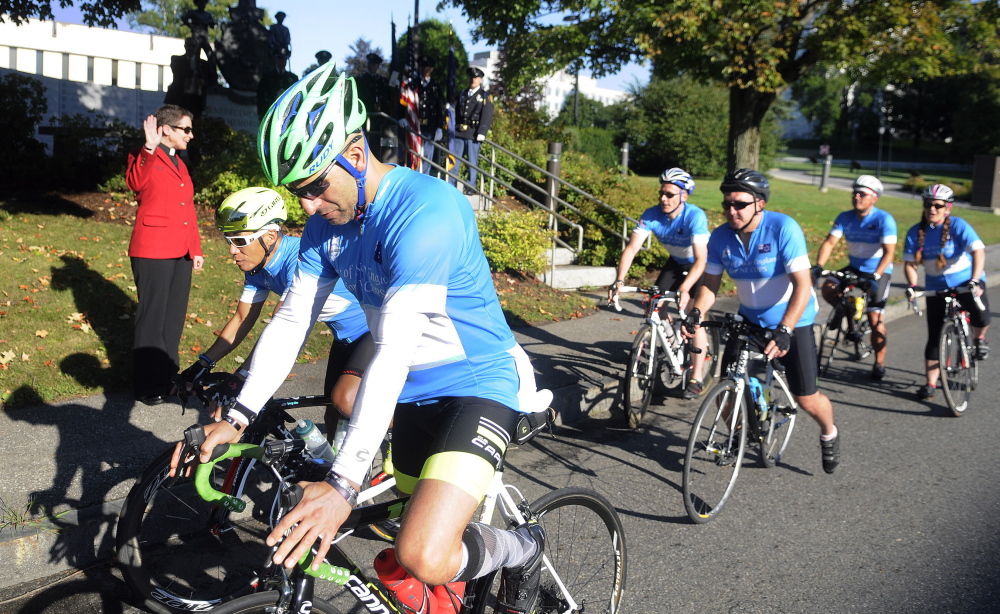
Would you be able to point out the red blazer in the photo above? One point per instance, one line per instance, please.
(166, 224)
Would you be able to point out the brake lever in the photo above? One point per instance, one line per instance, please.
(194, 437)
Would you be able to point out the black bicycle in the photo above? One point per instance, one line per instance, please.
(179, 553)
(847, 330)
(584, 566)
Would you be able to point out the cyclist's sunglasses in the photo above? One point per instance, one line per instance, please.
(670, 195)
(738, 205)
(316, 187)
(185, 129)
(243, 241)
(928, 205)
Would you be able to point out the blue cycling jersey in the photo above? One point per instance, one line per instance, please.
(419, 250)
(957, 250)
(341, 312)
(678, 235)
(761, 269)
(865, 237)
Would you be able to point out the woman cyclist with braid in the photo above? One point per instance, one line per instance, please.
(952, 255)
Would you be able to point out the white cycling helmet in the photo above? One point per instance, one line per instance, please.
(939, 191)
(679, 177)
(868, 182)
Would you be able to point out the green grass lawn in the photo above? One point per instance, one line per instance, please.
(899, 172)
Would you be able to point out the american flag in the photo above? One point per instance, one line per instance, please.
(408, 97)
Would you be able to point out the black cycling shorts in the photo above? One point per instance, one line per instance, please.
(935, 318)
(459, 440)
(348, 359)
(673, 274)
(800, 363)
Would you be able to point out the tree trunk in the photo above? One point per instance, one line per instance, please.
(746, 112)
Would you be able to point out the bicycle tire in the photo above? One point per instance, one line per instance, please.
(780, 423)
(828, 340)
(861, 348)
(640, 377)
(179, 553)
(265, 603)
(957, 368)
(585, 545)
(712, 358)
(711, 464)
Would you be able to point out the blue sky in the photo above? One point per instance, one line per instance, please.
(314, 29)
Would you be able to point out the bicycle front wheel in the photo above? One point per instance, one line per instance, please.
(958, 369)
(640, 377)
(179, 553)
(267, 603)
(587, 558)
(714, 452)
(777, 427)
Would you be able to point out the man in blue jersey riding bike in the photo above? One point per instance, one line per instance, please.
(250, 220)
(764, 253)
(871, 244)
(682, 228)
(953, 256)
(407, 246)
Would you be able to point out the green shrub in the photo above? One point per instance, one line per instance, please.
(116, 185)
(515, 240)
(24, 106)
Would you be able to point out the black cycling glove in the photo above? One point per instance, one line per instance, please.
(693, 320)
(782, 339)
(225, 392)
(194, 373)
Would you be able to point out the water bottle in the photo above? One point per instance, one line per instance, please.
(316, 444)
(859, 307)
(338, 438)
(757, 392)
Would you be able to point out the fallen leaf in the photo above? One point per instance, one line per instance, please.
(6, 357)
(25, 357)
(42, 333)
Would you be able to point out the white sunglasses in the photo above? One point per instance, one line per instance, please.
(245, 240)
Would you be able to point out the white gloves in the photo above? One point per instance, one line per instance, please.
(480, 137)
(438, 134)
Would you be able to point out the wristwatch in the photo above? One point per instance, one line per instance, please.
(876, 276)
(785, 329)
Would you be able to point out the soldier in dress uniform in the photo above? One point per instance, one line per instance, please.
(473, 117)
(431, 111)
(373, 88)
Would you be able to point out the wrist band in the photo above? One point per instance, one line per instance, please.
(211, 363)
(239, 426)
(243, 373)
(240, 413)
(343, 487)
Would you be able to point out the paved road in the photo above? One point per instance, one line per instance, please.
(909, 522)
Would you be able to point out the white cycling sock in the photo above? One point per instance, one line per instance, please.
(486, 548)
(830, 437)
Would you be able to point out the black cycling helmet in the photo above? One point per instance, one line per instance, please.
(746, 180)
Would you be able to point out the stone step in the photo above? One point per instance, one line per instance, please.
(571, 276)
(563, 256)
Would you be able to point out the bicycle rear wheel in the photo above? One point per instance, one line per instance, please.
(266, 603)
(777, 427)
(829, 339)
(958, 369)
(640, 377)
(179, 553)
(585, 547)
(714, 452)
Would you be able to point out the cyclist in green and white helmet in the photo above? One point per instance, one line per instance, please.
(253, 214)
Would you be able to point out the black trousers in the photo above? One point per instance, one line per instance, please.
(163, 287)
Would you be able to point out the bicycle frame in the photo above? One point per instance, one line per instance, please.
(672, 349)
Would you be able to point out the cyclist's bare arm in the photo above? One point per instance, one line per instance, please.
(910, 270)
(700, 260)
(625, 262)
(888, 253)
(706, 297)
(801, 293)
(825, 249)
(978, 265)
(235, 330)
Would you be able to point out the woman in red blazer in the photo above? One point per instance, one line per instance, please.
(164, 249)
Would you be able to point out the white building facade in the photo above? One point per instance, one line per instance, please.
(556, 87)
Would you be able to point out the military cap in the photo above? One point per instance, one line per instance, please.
(323, 56)
(475, 72)
(373, 57)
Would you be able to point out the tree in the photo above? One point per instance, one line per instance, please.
(434, 44)
(102, 13)
(356, 62)
(163, 17)
(755, 47)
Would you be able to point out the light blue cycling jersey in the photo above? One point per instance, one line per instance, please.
(341, 312)
(761, 270)
(962, 241)
(418, 249)
(678, 235)
(865, 237)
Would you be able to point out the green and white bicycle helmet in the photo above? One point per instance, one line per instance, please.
(308, 125)
(251, 209)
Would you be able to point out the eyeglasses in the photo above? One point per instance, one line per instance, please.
(244, 240)
(928, 205)
(736, 204)
(185, 129)
(670, 195)
(315, 188)
(862, 193)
